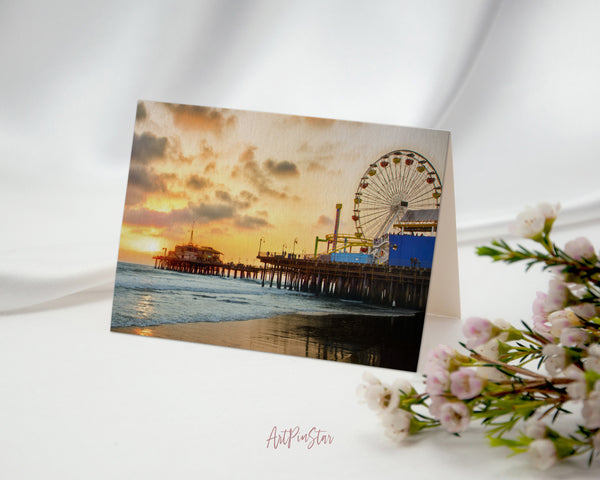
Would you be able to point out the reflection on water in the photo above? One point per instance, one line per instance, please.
(144, 307)
(389, 342)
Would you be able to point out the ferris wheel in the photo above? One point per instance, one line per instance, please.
(398, 181)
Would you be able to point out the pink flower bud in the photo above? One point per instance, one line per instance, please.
(543, 453)
(591, 410)
(477, 331)
(535, 428)
(556, 359)
(464, 383)
(557, 295)
(455, 416)
(561, 320)
(580, 248)
(437, 382)
(573, 337)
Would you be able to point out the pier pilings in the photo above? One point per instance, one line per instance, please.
(369, 283)
(376, 284)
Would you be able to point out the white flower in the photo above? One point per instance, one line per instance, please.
(557, 297)
(577, 390)
(594, 349)
(573, 337)
(561, 320)
(440, 356)
(501, 324)
(550, 212)
(378, 397)
(580, 248)
(490, 350)
(436, 404)
(591, 409)
(529, 223)
(592, 361)
(370, 379)
(556, 359)
(402, 385)
(397, 424)
(455, 416)
(584, 310)
(543, 453)
(478, 331)
(465, 383)
(438, 381)
(365, 391)
(535, 428)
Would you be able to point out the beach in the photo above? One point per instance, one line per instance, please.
(382, 341)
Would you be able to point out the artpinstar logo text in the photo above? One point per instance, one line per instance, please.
(296, 437)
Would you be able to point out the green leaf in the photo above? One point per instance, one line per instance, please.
(488, 251)
(564, 447)
(591, 377)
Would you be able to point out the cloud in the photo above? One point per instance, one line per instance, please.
(223, 196)
(250, 169)
(282, 168)
(143, 181)
(207, 151)
(325, 221)
(141, 112)
(210, 168)
(199, 213)
(152, 218)
(248, 155)
(248, 222)
(247, 196)
(197, 182)
(206, 212)
(147, 148)
(315, 167)
(318, 155)
(242, 201)
(201, 118)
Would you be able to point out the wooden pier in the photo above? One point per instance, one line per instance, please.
(239, 270)
(375, 284)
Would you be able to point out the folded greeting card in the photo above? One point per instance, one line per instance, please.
(295, 235)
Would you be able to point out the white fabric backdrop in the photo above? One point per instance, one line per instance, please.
(515, 82)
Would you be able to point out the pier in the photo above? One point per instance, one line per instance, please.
(238, 270)
(369, 283)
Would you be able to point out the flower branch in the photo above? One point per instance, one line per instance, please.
(493, 382)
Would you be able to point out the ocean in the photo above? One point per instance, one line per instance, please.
(146, 297)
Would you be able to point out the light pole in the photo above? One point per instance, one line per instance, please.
(262, 239)
(283, 247)
(294, 249)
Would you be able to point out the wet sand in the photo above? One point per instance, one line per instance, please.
(382, 341)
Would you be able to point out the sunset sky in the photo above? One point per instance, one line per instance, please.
(239, 176)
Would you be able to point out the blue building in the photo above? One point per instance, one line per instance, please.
(414, 245)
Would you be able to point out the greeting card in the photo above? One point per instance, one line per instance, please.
(295, 235)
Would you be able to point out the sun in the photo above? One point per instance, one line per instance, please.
(141, 244)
